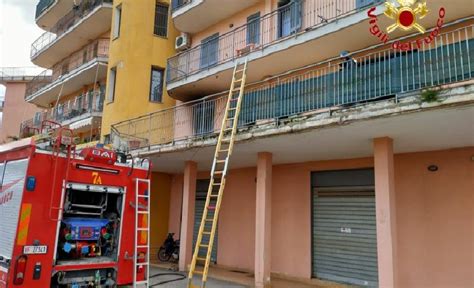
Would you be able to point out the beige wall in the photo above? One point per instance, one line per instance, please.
(160, 209)
(435, 212)
(15, 111)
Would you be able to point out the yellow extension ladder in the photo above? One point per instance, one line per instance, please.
(225, 145)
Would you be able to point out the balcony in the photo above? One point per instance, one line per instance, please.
(271, 46)
(48, 12)
(18, 74)
(187, 14)
(80, 114)
(84, 67)
(89, 20)
(325, 94)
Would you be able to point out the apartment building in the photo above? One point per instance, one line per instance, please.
(354, 159)
(15, 110)
(74, 51)
(142, 39)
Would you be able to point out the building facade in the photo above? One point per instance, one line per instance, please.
(15, 110)
(142, 39)
(354, 154)
(74, 50)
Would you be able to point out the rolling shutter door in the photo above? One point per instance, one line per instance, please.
(201, 194)
(344, 227)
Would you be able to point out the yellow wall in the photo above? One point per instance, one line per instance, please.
(160, 206)
(134, 53)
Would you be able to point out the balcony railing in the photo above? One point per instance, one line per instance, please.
(299, 15)
(85, 104)
(97, 49)
(177, 4)
(42, 6)
(14, 72)
(359, 78)
(78, 12)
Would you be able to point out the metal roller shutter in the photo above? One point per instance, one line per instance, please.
(201, 194)
(344, 227)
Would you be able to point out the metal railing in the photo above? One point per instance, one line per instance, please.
(298, 16)
(42, 6)
(85, 104)
(77, 13)
(177, 4)
(97, 49)
(15, 72)
(362, 76)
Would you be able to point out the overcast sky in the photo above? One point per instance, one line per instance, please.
(17, 31)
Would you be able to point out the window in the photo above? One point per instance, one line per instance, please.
(107, 139)
(161, 19)
(117, 21)
(289, 17)
(156, 84)
(112, 82)
(37, 119)
(253, 29)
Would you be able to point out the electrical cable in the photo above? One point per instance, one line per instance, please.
(182, 277)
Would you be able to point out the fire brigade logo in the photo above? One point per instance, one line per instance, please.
(406, 15)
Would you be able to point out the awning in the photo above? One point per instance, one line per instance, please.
(81, 123)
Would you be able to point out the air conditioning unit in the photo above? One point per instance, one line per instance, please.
(183, 42)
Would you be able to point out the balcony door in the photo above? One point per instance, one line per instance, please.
(209, 51)
(203, 118)
(289, 17)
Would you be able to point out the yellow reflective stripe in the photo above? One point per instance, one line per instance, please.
(25, 217)
(144, 234)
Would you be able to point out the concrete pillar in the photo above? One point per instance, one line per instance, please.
(263, 220)
(385, 207)
(187, 221)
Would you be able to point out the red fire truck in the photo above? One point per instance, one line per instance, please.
(72, 219)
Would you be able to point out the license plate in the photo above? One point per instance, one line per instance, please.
(35, 249)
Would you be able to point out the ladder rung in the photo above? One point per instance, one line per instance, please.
(198, 272)
(225, 150)
(143, 212)
(240, 70)
(206, 233)
(204, 245)
(201, 259)
(239, 80)
(231, 119)
(143, 264)
(214, 196)
(216, 184)
(142, 229)
(142, 246)
(208, 220)
(141, 282)
(220, 161)
(211, 207)
(218, 172)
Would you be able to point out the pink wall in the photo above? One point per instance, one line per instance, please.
(435, 219)
(176, 199)
(15, 111)
(237, 221)
(435, 212)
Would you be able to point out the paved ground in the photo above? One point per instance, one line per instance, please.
(211, 283)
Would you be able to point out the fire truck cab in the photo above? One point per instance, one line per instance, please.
(69, 219)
